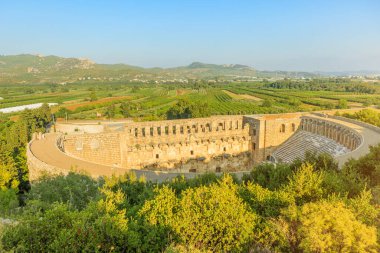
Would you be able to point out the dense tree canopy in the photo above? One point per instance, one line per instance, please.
(301, 207)
(183, 109)
(13, 139)
(365, 115)
(323, 84)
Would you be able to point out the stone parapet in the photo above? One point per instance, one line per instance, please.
(37, 167)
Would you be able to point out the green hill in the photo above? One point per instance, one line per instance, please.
(27, 68)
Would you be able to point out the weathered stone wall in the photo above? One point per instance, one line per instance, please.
(79, 128)
(102, 148)
(171, 144)
(162, 143)
(37, 167)
(270, 131)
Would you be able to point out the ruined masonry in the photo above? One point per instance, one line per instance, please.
(218, 143)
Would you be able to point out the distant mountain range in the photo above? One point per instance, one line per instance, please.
(27, 68)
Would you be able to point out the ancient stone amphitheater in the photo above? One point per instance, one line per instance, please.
(164, 149)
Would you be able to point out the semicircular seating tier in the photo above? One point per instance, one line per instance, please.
(302, 142)
(318, 136)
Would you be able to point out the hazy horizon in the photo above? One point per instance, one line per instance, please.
(272, 35)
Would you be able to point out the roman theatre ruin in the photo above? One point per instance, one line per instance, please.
(164, 149)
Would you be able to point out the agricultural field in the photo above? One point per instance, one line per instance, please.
(152, 101)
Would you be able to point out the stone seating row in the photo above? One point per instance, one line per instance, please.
(302, 142)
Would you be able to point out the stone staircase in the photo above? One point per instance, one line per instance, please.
(303, 141)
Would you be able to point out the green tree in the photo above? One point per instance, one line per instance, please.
(74, 190)
(93, 96)
(125, 109)
(101, 227)
(305, 184)
(8, 201)
(269, 175)
(181, 110)
(208, 217)
(63, 112)
(368, 165)
(342, 104)
(331, 227)
(110, 111)
(266, 103)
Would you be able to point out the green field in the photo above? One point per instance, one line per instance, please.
(152, 101)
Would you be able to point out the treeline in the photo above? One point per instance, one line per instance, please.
(365, 115)
(307, 206)
(184, 109)
(14, 137)
(322, 85)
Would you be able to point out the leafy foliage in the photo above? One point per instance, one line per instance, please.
(184, 109)
(74, 190)
(14, 137)
(331, 227)
(324, 84)
(208, 217)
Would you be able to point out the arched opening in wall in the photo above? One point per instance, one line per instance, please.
(188, 129)
(209, 127)
(159, 130)
(293, 127)
(174, 130)
(151, 131)
(157, 156)
(181, 129)
(167, 130)
(282, 128)
(254, 146)
(136, 132)
(224, 149)
(192, 152)
(271, 159)
(143, 131)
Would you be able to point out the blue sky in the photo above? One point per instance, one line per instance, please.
(332, 35)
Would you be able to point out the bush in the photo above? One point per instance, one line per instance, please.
(75, 190)
(8, 201)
